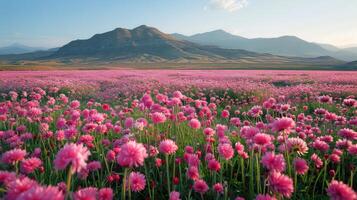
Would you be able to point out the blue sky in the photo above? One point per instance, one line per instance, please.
(51, 23)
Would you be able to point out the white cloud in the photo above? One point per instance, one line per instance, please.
(228, 5)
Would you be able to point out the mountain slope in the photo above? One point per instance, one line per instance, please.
(353, 63)
(351, 49)
(18, 49)
(147, 44)
(144, 43)
(328, 47)
(284, 46)
(127, 44)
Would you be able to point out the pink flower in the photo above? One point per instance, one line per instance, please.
(284, 123)
(337, 190)
(29, 165)
(225, 114)
(132, 154)
(195, 124)
(105, 194)
(248, 132)
(262, 139)
(89, 193)
(41, 193)
(208, 131)
(239, 147)
(320, 145)
(280, 183)
(12, 156)
(317, 160)
(174, 195)
(297, 145)
(349, 102)
(110, 155)
(6, 177)
(334, 158)
(177, 94)
(158, 118)
(264, 197)
(18, 186)
(348, 134)
(129, 122)
(221, 130)
(200, 186)
(352, 149)
(226, 151)
(94, 165)
(235, 121)
(168, 147)
(300, 166)
(214, 165)
(193, 160)
(273, 162)
(75, 104)
(255, 111)
(192, 173)
(218, 187)
(137, 181)
(74, 154)
(158, 162)
(325, 99)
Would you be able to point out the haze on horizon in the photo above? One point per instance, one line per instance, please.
(44, 23)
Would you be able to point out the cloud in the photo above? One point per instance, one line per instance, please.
(228, 5)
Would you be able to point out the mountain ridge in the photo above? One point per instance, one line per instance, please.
(148, 44)
(17, 48)
(284, 45)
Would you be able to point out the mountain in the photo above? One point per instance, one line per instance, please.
(148, 44)
(347, 54)
(352, 64)
(351, 49)
(328, 47)
(180, 36)
(123, 44)
(283, 46)
(18, 49)
(36, 55)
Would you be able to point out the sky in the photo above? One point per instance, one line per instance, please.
(53, 23)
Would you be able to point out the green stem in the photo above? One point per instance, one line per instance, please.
(242, 171)
(251, 176)
(352, 173)
(258, 172)
(324, 179)
(295, 181)
(17, 167)
(147, 180)
(318, 177)
(124, 184)
(69, 179)
(168, 173)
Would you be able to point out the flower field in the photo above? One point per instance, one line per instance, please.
(171, 134)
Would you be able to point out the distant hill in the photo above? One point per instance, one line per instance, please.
(124, 44)
(351, 64)
(284, 46)
(351, 49)
(148, 44)
(18, 49)
(34, 55)
(329, 47)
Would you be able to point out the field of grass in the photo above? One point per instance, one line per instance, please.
(53, 65)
